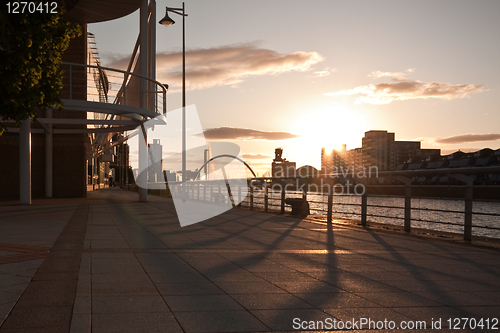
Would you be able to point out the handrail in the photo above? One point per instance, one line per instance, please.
(262, 192)
(79, 86)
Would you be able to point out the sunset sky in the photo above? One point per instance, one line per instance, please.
(321, 73)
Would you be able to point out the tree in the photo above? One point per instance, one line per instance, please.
(31, 47)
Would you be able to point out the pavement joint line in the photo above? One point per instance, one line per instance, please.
(54, 306)
(207, 250)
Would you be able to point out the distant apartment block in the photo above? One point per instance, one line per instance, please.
(379, 148)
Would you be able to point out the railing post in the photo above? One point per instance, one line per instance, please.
(266, 197)
(251, 197)
(239, 195)
(283, 195)
(407, 182)
(304, 200)
(330, 203)
(468, 213)
(164, 102)
(364, 208)
(408, 207)
(468, 204)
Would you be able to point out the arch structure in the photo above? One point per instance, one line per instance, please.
(225, 155)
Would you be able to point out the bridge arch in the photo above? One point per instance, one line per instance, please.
(225, 155)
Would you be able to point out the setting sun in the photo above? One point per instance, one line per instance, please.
(329, 127)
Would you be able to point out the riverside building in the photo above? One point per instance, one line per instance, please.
(379, 149)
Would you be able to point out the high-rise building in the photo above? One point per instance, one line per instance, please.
(333, 160)
(354, 158)
(379, 149)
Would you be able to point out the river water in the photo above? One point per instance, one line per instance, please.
(423, 210)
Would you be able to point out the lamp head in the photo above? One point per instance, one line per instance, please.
(166, 21)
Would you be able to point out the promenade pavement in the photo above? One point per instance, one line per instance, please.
(108, 263)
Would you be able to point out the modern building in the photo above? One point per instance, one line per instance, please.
(482, 158)
(54, 155)
(379, 148)
(333, 160)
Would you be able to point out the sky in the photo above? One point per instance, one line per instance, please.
(306, 75)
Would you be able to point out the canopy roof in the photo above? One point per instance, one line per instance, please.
(92, 11)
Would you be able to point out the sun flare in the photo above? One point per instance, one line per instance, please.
(329, 128)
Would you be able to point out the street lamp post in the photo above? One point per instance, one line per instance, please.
(167, 21)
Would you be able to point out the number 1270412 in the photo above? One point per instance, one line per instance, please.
(21, 7)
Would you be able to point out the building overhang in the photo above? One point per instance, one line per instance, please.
(93, 11)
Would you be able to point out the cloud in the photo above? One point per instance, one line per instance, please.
(321, 73)
(325, 72)
(235, 133)
(402, 89)
(255, 156)
(396, 75)
(468, 138)
(224, 65)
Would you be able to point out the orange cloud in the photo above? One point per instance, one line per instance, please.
(235, 133)
(402, 89)
(256, 156)
(225, 65)
(468, 138)
(395, 75)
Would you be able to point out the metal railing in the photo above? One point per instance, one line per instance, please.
(405, 209)
(112, 86)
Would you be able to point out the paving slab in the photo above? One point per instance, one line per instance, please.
(108, 263)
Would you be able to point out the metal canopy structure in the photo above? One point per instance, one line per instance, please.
(102, 102)
(93, 11)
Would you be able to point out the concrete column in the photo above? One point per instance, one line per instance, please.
(152, 41)
(152, 103)
(49, 156)
(143, 143)
(142, 178)
(25, 162)
(144, 57)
